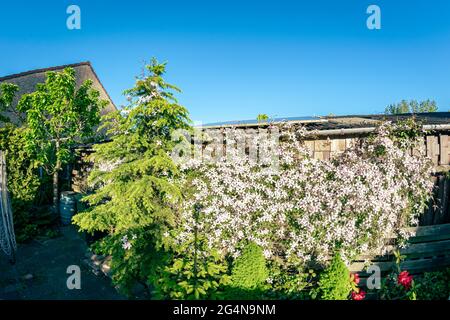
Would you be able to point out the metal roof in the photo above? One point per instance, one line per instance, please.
(254, 122)
(340, 122)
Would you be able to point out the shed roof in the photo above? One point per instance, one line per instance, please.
(341, 122)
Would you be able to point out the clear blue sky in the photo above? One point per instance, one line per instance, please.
(236, 59)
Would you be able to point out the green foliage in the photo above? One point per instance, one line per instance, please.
(57, 112)
(429, 286)
(262, 117)
(334, 282)
(434, 285)
(290, 283)
(23, 181)
(411, 107)
(7, 93)
(192, 274)
(407, 130)
(133, 265)
(57, 116)
(249, 274)
(249, 269)
(135, 176)
(391, 289)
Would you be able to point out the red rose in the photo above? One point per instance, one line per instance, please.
(355, 278)
(358, 295)
(405, 279)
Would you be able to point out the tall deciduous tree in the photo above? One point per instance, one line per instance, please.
(59, 115)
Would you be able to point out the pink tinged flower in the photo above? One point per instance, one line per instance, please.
(405, 279)
(358, 295)
(354, 277)
(126, 245)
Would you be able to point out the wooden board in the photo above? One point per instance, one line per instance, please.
(443, 145)
(428, 249)
(419, 265)
(433, 148)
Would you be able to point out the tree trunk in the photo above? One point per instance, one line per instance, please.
(56, 182)
(56, 192)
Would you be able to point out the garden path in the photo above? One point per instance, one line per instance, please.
(40, 271)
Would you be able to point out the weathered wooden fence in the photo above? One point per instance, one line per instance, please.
(435, 145)
(427, 250)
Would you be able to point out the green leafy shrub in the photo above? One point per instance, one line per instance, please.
(249, 269)
(398, 284)
(334, 282)
(434, 285)
(290, 282)
(249, 274)
(24, 229)
(392, 289)
(134, 258)
(23, 181)
(24, 185)
(192, 276)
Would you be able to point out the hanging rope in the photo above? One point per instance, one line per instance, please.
(7, 237)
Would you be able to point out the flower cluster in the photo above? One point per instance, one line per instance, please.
(126, 244)
(303, 210)
(399, 285)
(405, 279)
(357, 293)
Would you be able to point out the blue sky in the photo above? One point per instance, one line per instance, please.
(236, 59)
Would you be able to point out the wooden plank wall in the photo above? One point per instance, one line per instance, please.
(436, 146)
(427, 250)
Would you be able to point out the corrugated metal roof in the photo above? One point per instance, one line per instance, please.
(254, 122)
(341, 122)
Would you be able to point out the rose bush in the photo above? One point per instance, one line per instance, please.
(405, 279)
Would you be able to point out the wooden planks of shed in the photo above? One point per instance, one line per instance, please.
(427, 250)
(438, 210)
(436, 147)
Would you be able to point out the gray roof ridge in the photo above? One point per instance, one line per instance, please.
(26, 73)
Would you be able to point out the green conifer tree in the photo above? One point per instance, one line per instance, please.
(136, 195)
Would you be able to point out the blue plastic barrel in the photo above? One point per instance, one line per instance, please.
(67, 206)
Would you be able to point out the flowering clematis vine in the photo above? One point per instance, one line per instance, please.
(304, 209)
